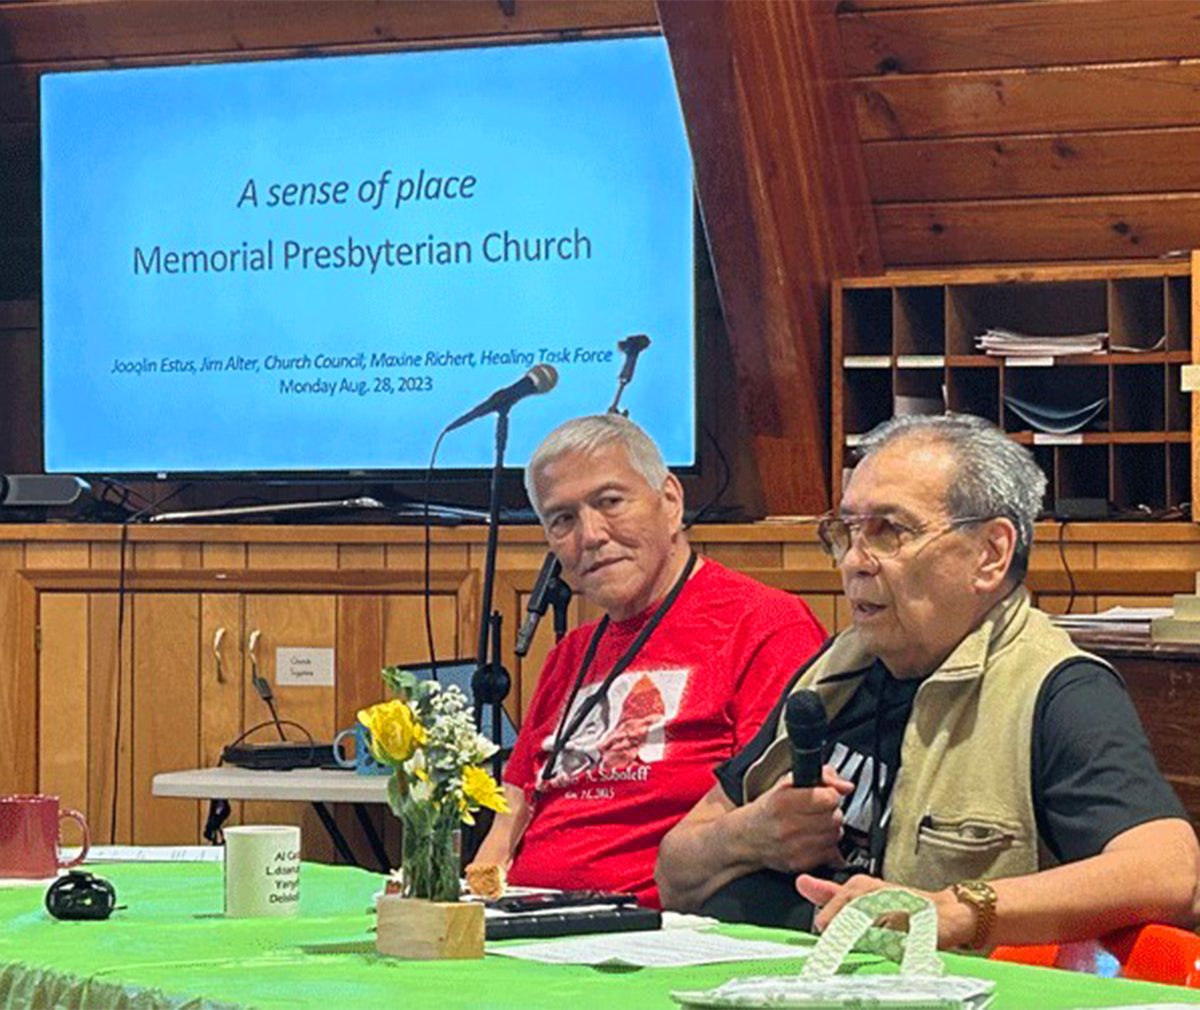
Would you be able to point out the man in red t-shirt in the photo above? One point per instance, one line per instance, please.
(632, 712)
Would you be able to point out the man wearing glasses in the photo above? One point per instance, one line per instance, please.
(973, 752)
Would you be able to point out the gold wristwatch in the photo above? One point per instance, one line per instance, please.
(981, 896)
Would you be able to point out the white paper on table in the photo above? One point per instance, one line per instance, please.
(150, 854)
(672, 948)
(913, 992)
(11, 882)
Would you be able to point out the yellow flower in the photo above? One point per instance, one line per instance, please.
(395, 732)
(480, 788)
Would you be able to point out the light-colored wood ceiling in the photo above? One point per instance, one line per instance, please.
(1027, 129)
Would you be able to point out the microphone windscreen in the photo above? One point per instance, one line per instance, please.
(805, 719)
(543, 377)
(638, 342)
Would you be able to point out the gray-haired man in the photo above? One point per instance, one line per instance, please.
(632, 712)
(974, 752)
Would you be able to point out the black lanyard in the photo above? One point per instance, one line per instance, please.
(565, 731)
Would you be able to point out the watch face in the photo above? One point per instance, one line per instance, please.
(976, 891)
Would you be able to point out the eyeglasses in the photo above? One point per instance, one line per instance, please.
(882, 537)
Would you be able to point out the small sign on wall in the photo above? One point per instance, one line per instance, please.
(303, 667)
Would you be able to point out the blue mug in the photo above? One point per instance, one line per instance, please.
(363, 762)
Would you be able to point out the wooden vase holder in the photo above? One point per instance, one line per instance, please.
(420, 930)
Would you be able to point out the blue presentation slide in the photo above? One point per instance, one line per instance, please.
(316, 265)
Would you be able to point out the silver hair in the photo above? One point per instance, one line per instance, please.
(994, 475)
(591, 434)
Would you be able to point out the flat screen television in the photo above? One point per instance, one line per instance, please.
(311, 266)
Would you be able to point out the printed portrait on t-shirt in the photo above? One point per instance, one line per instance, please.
(625, 728)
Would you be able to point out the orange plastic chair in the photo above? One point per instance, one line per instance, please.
(1151, 953)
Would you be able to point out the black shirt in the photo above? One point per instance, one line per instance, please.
(1094, 776)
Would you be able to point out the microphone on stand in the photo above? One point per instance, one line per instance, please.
(539, 379)
(549, 589)
(807, 727)
(631, 347)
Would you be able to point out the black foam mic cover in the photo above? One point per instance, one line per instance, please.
(807, 727)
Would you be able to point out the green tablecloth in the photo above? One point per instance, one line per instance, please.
(172, 944)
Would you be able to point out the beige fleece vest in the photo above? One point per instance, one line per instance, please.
(962, 805)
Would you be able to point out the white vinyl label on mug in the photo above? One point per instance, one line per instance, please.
(304, 667)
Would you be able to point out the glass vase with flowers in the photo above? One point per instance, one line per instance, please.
(437, 782)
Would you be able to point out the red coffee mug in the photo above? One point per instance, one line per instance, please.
(29, 836)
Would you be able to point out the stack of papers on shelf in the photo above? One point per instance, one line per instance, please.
(1116, 620)
(1055, 420)
(1158, 345)
(1010, 344)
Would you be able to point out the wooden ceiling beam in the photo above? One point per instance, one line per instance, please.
(784, 196)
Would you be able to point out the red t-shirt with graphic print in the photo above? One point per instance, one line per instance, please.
(694, 695)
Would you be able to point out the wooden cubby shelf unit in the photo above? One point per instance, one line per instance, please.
(906, 343)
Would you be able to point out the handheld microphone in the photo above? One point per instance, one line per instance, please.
(807, 726)
(631, 347)
(539, 379)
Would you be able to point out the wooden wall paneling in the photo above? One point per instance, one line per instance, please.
(171, 556)
(842, 617)
(804, 555)
(110, 747)
(1048, 556)
(1144, 557)
(786, 209)
(1057, 603)
(18, 675)
(358, 556)
(1106, 227)
(360, 651)
(977, 36)
(522, 557)
(57, 554)
(1042, 164)
(359, 658)
(411, 557)
(293, 556)
(1106, 602)
(297, 621)
(63, 699)
(739, 556)
(223, 556)
(111, 29)
(1119, 96)
(404, 637)
(824, 609)
(1195, 397)
(222, 674)
(166, 712)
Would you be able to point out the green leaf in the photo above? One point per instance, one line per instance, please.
(394, 794)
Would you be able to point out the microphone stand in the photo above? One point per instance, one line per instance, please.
(623, 380)
(490, 682)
